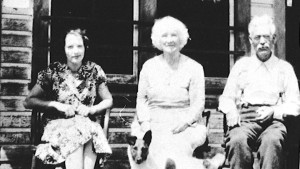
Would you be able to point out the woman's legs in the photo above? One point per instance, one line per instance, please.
(89, 156)
(82, 158)
(75, 159)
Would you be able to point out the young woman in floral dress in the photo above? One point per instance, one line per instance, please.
(66, 92)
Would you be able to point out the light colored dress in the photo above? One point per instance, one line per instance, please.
(62, 135)
(167, 97)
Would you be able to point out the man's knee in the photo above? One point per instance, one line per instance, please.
(272, 140)
(236, 139)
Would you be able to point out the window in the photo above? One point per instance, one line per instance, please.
(208, 24)
(119, 32)
(112, 30)
(293, 36)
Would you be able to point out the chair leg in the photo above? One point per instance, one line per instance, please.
(33, 162)
(100, 161)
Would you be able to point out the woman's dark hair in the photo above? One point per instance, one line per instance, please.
(82, 33)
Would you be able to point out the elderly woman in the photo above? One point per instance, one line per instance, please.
(171, 98)
(66, 93)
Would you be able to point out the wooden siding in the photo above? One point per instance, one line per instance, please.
(15, 55)
(15, 120)
(15, 74)
(16, 22)
(11, 103)
(15, 38)
(13, 89)
(9, 137)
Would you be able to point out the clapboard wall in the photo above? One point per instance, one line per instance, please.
(15, 74)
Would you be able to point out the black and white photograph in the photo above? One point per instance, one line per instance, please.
(150, 84)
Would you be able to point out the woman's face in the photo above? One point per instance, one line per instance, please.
(170, 41)
(74, 48)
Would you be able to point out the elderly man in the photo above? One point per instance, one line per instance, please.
(260, 91)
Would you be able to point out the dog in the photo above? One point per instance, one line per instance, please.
(138, 150)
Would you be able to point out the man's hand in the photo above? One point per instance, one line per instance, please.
(233, 119)
(265, 113)
(180, 127)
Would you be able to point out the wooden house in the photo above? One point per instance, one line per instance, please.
(119, 31)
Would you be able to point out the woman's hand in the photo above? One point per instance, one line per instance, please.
(67, 109)
(180, 127)
(84, 110)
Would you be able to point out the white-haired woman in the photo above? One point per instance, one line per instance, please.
(171, 98)
(66, 92)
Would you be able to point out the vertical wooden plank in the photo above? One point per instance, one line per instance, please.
(279, 18)
(148, 10)
(135, 39)
(1, 27)
(231, 35)
(40, 38)
(242, 19)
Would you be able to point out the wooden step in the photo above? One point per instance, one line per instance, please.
(121, 117)
(117, 164)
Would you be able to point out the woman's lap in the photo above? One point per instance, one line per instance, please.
(176, 146)
(67, 135)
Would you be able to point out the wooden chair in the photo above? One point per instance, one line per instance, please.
(36, 133)
(201, 151)
(293, 138)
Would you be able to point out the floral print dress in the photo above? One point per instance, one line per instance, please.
(62, 135)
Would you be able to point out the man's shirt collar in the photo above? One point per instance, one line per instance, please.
(270, 63)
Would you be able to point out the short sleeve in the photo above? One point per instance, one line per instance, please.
(44, 79)
(100, 75)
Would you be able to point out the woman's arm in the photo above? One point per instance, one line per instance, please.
(35, 100)
(142, 99)
(197, 99)
(142, 113)
(107, 100)
(197, 95)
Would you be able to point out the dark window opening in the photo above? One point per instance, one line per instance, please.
(109, 28)
(293, 36)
